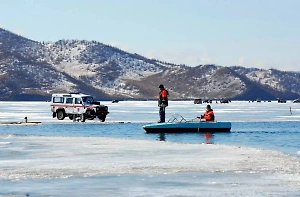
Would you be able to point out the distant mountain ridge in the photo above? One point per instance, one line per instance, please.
(31, 70)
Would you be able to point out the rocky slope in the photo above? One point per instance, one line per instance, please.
(31, 70)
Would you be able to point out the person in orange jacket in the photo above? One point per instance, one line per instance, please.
(162, 102)
(208, 115)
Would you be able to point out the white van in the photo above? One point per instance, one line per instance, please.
(74, 105)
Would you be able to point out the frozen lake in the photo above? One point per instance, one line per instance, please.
(147, 111)
(260, 157)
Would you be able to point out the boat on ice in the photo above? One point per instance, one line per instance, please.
(177, 124)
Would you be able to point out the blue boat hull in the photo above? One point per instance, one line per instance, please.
(187, 127)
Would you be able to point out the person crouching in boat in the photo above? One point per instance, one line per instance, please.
(208, 114)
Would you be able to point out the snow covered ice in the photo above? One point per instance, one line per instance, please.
(70, 163)
(48, 158)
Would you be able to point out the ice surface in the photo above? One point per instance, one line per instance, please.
(40, 158)
(48, 157)
(147, 111)
(106, 166)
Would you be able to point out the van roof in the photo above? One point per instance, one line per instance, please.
(69, 95)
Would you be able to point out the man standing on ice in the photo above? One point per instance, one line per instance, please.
(162, 102)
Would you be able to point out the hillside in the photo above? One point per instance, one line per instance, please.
(31, 70)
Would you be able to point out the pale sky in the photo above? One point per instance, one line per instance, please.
(250, 33)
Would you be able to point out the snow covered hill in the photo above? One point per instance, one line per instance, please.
(32, 70)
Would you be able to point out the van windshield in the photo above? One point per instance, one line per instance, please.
(87, 99)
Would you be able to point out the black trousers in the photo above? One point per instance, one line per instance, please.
(162, 114)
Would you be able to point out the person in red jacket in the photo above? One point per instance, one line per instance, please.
(208, 114)
(162, 102)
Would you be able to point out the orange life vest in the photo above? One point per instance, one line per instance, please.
(209, 115)
(163, 97)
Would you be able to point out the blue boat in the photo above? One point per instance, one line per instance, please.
(177, 124)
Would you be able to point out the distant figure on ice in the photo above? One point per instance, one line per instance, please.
(208, 114)
(162, 102)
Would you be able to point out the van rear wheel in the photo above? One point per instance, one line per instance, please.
(60, 115)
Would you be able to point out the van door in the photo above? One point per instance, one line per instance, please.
(78, 106)
(69, 105)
